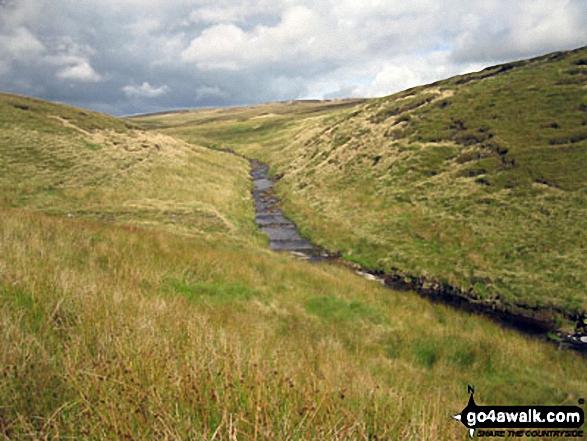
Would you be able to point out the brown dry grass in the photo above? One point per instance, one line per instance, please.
(119, 323)
(112, 332)
(474, 181)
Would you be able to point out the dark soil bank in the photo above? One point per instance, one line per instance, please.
(284, 236)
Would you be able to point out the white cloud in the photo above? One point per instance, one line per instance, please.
(385, 77)
(392, 78)
(207, 92)
(145, 90)
(217, 48)
(359, 10)
(144, 27)
(301, 36)
(216, 15)
(208, 52)
(229, 11)
(521, 29)
(138, 7)
(406, 72)
(72, 61)
(82, 71)
(21, 44)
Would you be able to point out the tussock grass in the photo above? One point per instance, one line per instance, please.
(476, 181)
(96, 167)
(122, 332)
(155, 311)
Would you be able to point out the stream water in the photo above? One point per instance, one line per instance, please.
(284, 236)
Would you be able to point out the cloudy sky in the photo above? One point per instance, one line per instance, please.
(135, 56)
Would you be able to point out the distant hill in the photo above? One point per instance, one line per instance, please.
(476, 182)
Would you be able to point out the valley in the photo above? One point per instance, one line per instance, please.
(473, 183)
(140, 300)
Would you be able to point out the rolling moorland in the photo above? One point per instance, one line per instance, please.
(138, 299)
(473, 186)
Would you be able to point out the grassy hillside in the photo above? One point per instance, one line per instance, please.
(478, 181)
(156, 311)
(65, 161)
(112, 332)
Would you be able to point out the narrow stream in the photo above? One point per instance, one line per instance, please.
(282, 232)
(284, 236)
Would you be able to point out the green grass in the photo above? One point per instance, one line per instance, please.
(156, 311)
(65, 161)
(113, 332)
(475, 181)
(336, 309)
(211, 292)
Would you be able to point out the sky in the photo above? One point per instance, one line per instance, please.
(126, 57)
